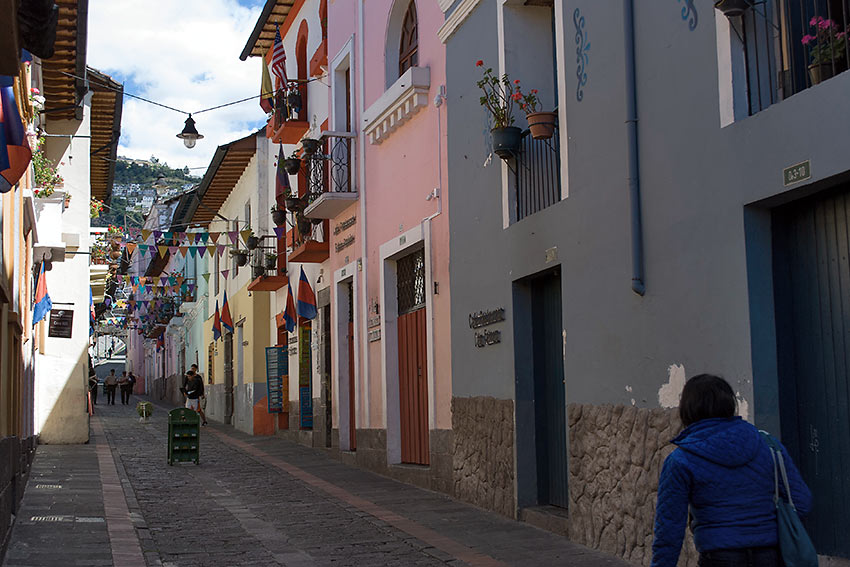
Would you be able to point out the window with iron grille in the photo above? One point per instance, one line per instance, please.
(411, 282)
(408, 52)
(538, 174)
(788, 46)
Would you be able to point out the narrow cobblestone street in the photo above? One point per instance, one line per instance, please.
(251, 501)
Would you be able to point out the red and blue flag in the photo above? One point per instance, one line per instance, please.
(43, 305)
(306, 298)
(15, 152)
(226, 319)
(216, 323)
(289, 315)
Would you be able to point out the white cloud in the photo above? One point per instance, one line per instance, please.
(183, 54)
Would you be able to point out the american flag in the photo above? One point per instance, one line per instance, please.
(279, 58)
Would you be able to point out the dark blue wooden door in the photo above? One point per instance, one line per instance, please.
(812, 290)
(550, 410)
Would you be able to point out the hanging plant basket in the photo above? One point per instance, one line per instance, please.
(241, 258)
(732, 8)
(506, 141)
(257, 272)
(279, 217)
(293, 204)
(252, 242)
(542, 124)
(310, 145)
(292, 165)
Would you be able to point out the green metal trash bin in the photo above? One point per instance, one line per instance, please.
(184, 429)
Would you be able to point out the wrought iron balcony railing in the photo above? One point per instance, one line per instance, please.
(789, 46)
(538, 174)
(330, 175)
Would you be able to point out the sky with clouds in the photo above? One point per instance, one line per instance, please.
(184, 54)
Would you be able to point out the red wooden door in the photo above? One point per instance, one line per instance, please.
(413, 387)
(352, 432)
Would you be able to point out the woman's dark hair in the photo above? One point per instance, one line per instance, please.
(706, 396)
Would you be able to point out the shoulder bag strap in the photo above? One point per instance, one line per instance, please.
(770, 445)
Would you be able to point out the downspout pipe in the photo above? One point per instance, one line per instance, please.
(638, 285)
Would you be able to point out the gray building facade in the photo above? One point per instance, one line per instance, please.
(706, 233)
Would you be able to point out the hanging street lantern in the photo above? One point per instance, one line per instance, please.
(189, 135)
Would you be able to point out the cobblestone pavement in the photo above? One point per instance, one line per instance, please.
(251, 501)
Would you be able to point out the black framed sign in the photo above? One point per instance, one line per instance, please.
(61, 323)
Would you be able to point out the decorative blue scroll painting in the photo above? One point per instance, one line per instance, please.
(582, 57)
(689, 13)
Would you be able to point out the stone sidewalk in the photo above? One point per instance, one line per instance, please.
(251, 501)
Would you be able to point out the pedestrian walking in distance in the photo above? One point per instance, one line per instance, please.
(723, 472)
(193, 389)
(200, 376)
(111, 383)
(125, 385)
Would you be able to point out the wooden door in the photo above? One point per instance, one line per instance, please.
(412, 363)
(228, 377)
(812, 294)
(352, 431)
(550, 413)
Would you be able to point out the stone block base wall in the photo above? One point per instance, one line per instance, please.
(615, 458)
(16, 456)
(483, 448)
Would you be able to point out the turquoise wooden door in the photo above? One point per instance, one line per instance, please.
(812, 294)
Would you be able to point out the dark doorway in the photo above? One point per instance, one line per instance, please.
(550, 417)
(812, 293)
(228, 377)
(352, 431)
(327, 401)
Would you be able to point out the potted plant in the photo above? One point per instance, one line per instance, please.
(540, 124)
(293, 203)
(305, 227)
(292, 164)
(47, 179)
(67, 202)
(309, 145)
(271, 261)
(257, 272)
(278, 216)
(95, 208)
(252, 242)
(240, 256)
(499, 98)
(827, 47)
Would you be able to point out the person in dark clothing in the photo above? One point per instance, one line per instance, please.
(126, 386)
(93, 386)
(193, 389)
(722, 471)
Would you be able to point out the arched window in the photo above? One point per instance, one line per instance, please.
(408, 51)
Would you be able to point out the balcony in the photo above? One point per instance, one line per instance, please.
(282, 128)
(330, 176)
(786, 47)
(538, 174)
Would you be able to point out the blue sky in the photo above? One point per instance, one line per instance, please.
(185, 55)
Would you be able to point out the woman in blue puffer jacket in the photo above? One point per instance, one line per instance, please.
(723, 470)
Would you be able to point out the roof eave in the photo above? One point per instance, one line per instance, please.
(258, 29)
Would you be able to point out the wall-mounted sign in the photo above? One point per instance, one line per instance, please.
(484, 318)
(339, 246)
(374, 335)
(277, 378)
(797, 173)
(374, 322)
(346, 224)
(484, 338)
(305, 374)
(61, 323)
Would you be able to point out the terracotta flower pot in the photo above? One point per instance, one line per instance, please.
(542, 124)
(292, 165)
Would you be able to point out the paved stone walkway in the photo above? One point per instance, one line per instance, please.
(251, 501)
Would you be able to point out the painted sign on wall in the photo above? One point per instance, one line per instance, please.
(277, 377)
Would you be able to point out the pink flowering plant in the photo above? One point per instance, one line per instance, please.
(827, 42)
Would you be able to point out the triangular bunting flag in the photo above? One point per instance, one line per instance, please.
(131, 247)
(221, 248)
(183, 250)
(234, 236)
(162, 250)
(193, 251)
(224, 273)
(245, 234)
(206, 277)
(211, 249)
(280, 231)
(202, 250)
(145, 234)
(172, 250)
(214, 236)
